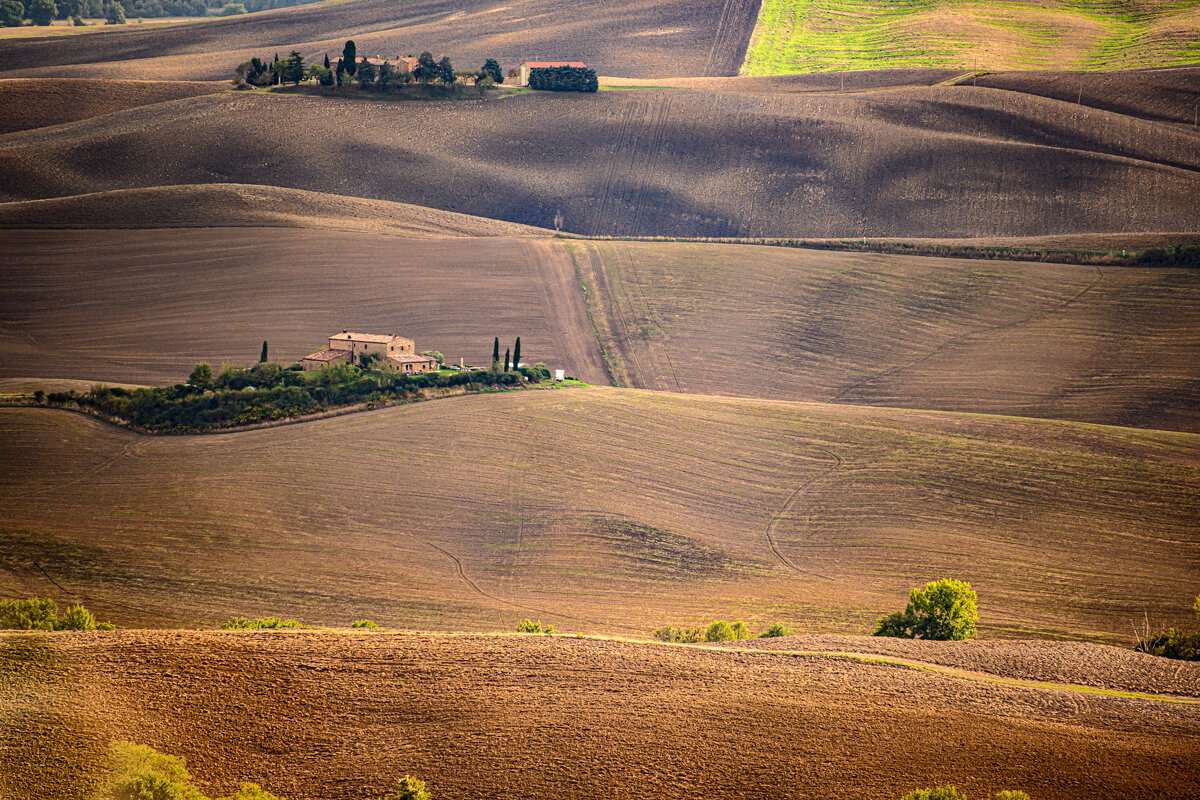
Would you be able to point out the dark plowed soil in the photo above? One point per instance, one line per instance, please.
(1056, 662)
(916, 162)
(1170, 95)
(341, 716)
(28, 103)
(635, 38)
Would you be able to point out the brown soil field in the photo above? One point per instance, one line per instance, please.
(340, 716)
(635, 38)
(1058, 662)
(1169, 94)
(953, 162)
(1036, 340)
(37, 103)
(605, 510)
(224, 205)
(143, 306)
(1079, 343)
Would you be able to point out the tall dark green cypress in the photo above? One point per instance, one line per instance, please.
(350, 57)
(517, 353)
(327, 61)
(506, 366)
(496, 351)
(262, 358)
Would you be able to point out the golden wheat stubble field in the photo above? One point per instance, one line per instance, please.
(635, 38)
(1101, 344)
(605, 510)
(340, 715)
(143, 306)
(912, 162)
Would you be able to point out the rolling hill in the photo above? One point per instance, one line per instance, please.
(636, 38)
(26, 104)
(831, 35)
(341, 716)
(142, 305)
(918, 162)
(604, 510)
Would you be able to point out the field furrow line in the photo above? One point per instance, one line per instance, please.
(610, 173)
(787, 507)
(1058, 308)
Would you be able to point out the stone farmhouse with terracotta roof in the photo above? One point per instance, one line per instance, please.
(394, 352)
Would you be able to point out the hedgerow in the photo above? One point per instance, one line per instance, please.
(529, 626)
(719, 631)
(563, 79)
(263, 623)
(266, 392)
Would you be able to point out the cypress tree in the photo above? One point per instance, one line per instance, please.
(350, 57)
(262, 358)
(506, 365)
(327, 61)
(496, 351)
(517, 353)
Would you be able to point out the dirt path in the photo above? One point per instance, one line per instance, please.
(568, 310)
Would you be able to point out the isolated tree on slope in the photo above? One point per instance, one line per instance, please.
(944, 609)
(350, 57)
(42, 11)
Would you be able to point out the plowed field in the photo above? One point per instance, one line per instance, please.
(635, 38)
(1038, 340)
(605, 510)
(918, 162)
(340, 716)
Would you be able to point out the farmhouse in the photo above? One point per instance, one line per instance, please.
(530, 65)
(394, 352)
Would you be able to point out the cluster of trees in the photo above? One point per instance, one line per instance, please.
(512, 358)
(41, 614)
(719, 631)
(349, 69)
(267, 391)
(263, 623)
(529, 626)
(138, 772)
(1173, 642)
(944, 610)
(563, 79)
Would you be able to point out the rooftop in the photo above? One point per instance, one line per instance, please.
(373, 338)
(410, 358)
(547, 64)
(327, 355)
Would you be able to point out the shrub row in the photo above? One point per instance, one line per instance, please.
(41, 614)
(268, 392)
(719, 631)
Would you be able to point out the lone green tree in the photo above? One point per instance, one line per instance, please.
(409, 788)
(350, 57)
(944, 610)
(492, 67)
(426, 67)
(201, 377)
(262, 357)
(12, 13)
(445, 71)
(42, 11)
(294, 68)
(517, 353)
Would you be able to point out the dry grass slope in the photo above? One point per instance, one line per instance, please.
(339, 715)
(919, 162)
(605, 510)
(635, 38)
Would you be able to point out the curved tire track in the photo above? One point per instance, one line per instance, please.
(790, 502)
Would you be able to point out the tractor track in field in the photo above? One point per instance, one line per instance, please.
(790, 503)
(1055, 309)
